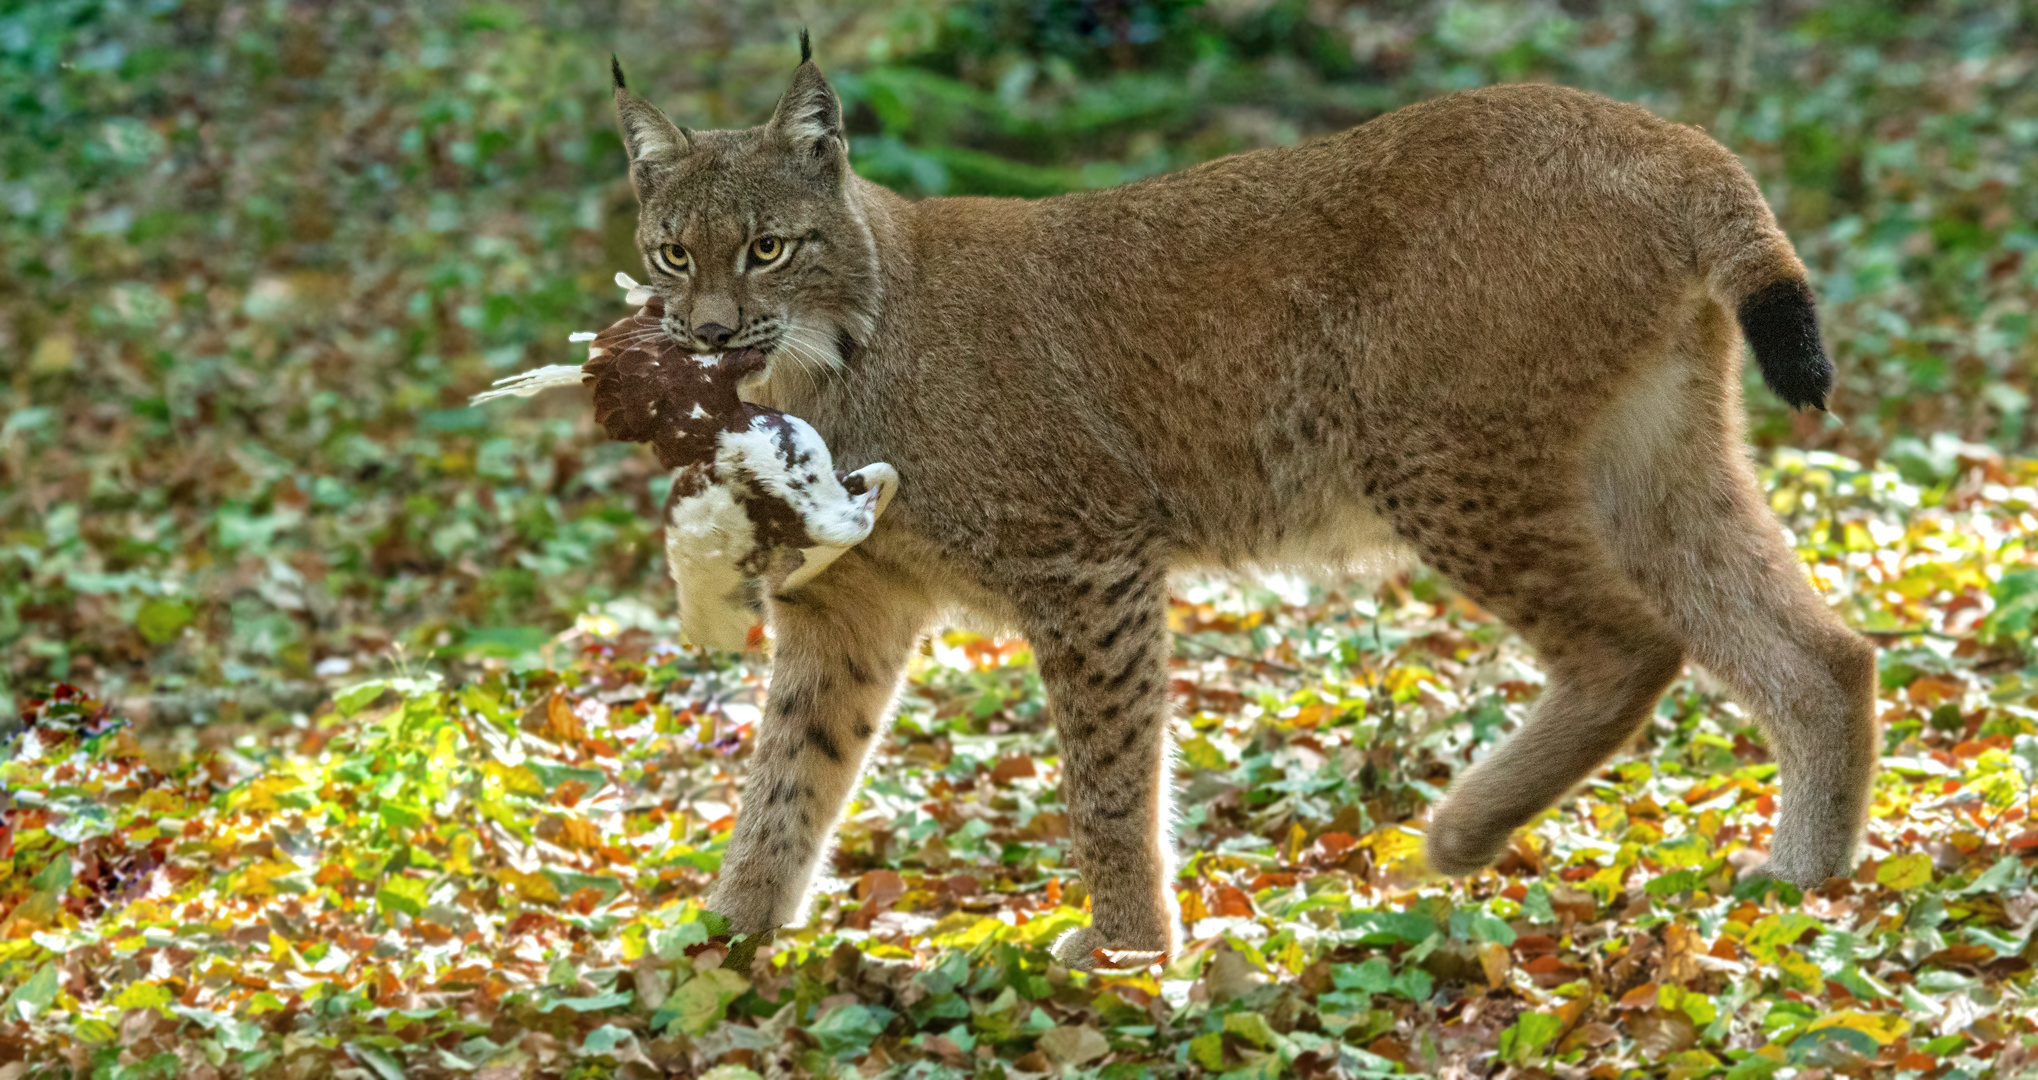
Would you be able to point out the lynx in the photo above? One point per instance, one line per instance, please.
(1500, 331)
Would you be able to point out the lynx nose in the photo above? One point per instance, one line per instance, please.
(714, 333)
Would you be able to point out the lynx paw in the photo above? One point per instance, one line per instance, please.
(1455, 851)
(1803, 873)
(1807, 857)
(1085, 949)
(749, 911)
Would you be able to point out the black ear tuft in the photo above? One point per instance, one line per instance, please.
(806, 46)
(616, 69)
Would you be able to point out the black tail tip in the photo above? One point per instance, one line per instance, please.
(806, 46)
(616, 70)
(1781, 324)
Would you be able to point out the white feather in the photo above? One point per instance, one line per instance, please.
(706, 536)
(530, 383)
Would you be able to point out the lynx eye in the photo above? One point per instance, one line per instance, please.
(672, 259)
(767, 249)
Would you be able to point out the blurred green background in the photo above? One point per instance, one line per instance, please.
(254, 256)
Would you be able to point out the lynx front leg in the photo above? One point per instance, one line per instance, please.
(1103, 657)
(840, 645)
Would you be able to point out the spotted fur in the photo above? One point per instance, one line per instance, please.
(1495, 330)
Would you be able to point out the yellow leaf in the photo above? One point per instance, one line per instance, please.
(260, 795)
(529, 886)
(1606, 884)
(1293, 958)
(1403, 680)
(1201, 753)
(160, 803)
(144, 996)
(979, 931)
(1801, 973)
(1496, 962)
(517, 778)
(1884, 1028)
(257, 880)
(1905, 871)
(1394, 847)
(282, 952)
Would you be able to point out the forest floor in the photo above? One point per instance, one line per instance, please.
(495, 873)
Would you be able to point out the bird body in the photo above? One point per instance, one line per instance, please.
(755, 499)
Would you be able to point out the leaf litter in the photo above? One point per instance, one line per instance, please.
(499, 875)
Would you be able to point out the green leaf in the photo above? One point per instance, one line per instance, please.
(1996, 878)
(597, 1003)
(848, 1030)
(405, 894)
(359, 696)
(1524, 1042)
(1672, 883)
(1207, 1050)
(397, 815)
(569, 882)
(1690, 850)
(1388, 927)
(94, 1031)
(1252, 1027)
(380, 1063)
(701, 1000)
(1376, 977)
(1811, 1047)
(552, 774)
(161, 620)
(33, 996)
(670, 942)
(55, 878)
(605, 1039)
(1492, 928)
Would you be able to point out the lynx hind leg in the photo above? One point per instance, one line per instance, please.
(1103, 648)
(1608, 659)
(1693, 530)
(840, 646)
(1510, 527)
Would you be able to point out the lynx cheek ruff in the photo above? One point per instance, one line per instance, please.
(755, 498)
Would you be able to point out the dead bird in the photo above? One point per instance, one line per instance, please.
(755, 499)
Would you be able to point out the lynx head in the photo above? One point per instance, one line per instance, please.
(753, 237)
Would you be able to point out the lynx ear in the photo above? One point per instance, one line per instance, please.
(808, 119)
(651, 139)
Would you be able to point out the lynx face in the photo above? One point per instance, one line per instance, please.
(750, 236)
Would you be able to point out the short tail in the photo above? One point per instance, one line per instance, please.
(1782, 326)
(1752, 270)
